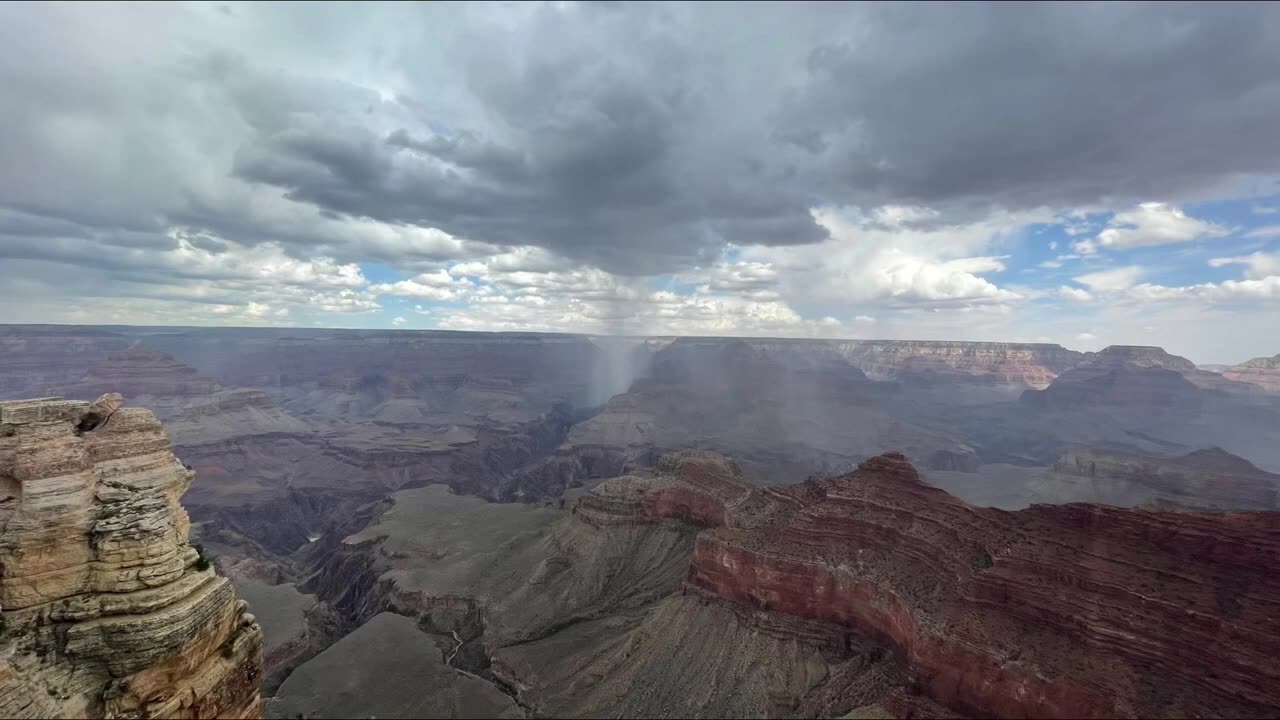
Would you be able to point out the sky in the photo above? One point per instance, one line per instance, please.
(1085, 174)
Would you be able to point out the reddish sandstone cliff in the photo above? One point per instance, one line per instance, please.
(1054, 611)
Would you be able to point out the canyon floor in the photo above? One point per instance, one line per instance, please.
(441, 524)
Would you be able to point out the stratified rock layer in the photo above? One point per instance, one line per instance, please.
(1263, 372)
(108, 611)
(1019, 364)
(1053, 611)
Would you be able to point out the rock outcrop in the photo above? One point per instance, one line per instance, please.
(1123, 385)
(108, 610)
(1053, 611)
(1264, 372)
(1149, 356)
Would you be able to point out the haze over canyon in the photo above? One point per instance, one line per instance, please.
(455, 524)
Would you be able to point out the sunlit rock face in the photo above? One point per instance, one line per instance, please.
(1032, 365)
(108, 610)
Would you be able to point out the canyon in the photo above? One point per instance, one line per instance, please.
(561, 525)
(685, 591)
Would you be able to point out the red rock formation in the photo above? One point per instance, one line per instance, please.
(699, 488)
(1020, 364)
(1054, 611)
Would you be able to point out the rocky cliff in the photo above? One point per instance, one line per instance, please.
(684, 591)
(1263, 372)
(1054, 611)
(108, 610)
(1019, 364)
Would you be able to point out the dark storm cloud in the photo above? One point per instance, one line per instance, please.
(1045, 104)
(638, 137)
(631, 154)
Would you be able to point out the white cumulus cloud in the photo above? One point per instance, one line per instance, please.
(1111, 280)
(1147, 225)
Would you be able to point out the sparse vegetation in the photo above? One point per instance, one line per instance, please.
(204, 561)
(983, 561)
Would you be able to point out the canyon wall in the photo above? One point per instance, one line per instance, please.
(1263, 372)
(1019, 364)
(1054, 611)
(108, 611)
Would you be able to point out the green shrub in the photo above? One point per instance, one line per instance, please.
(203, 561)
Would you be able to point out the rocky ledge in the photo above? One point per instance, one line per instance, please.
(108, 611)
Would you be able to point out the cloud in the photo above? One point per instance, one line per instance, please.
(556, 164)
(398, 321)
(895, 265)
(1147, 225)
(1259, 265)
(1268, 231)
(656, 313)
(1075, 294)
(438, 285)
(1228, 291)
(1261, 283)
(1265, 209)
(1111, 280)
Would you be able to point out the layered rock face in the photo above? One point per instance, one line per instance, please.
(1211, 478)
(1032, 365)
(1053, 611)
(1147, 356)
(1262, 372)
(684, 591)
(108, 611)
